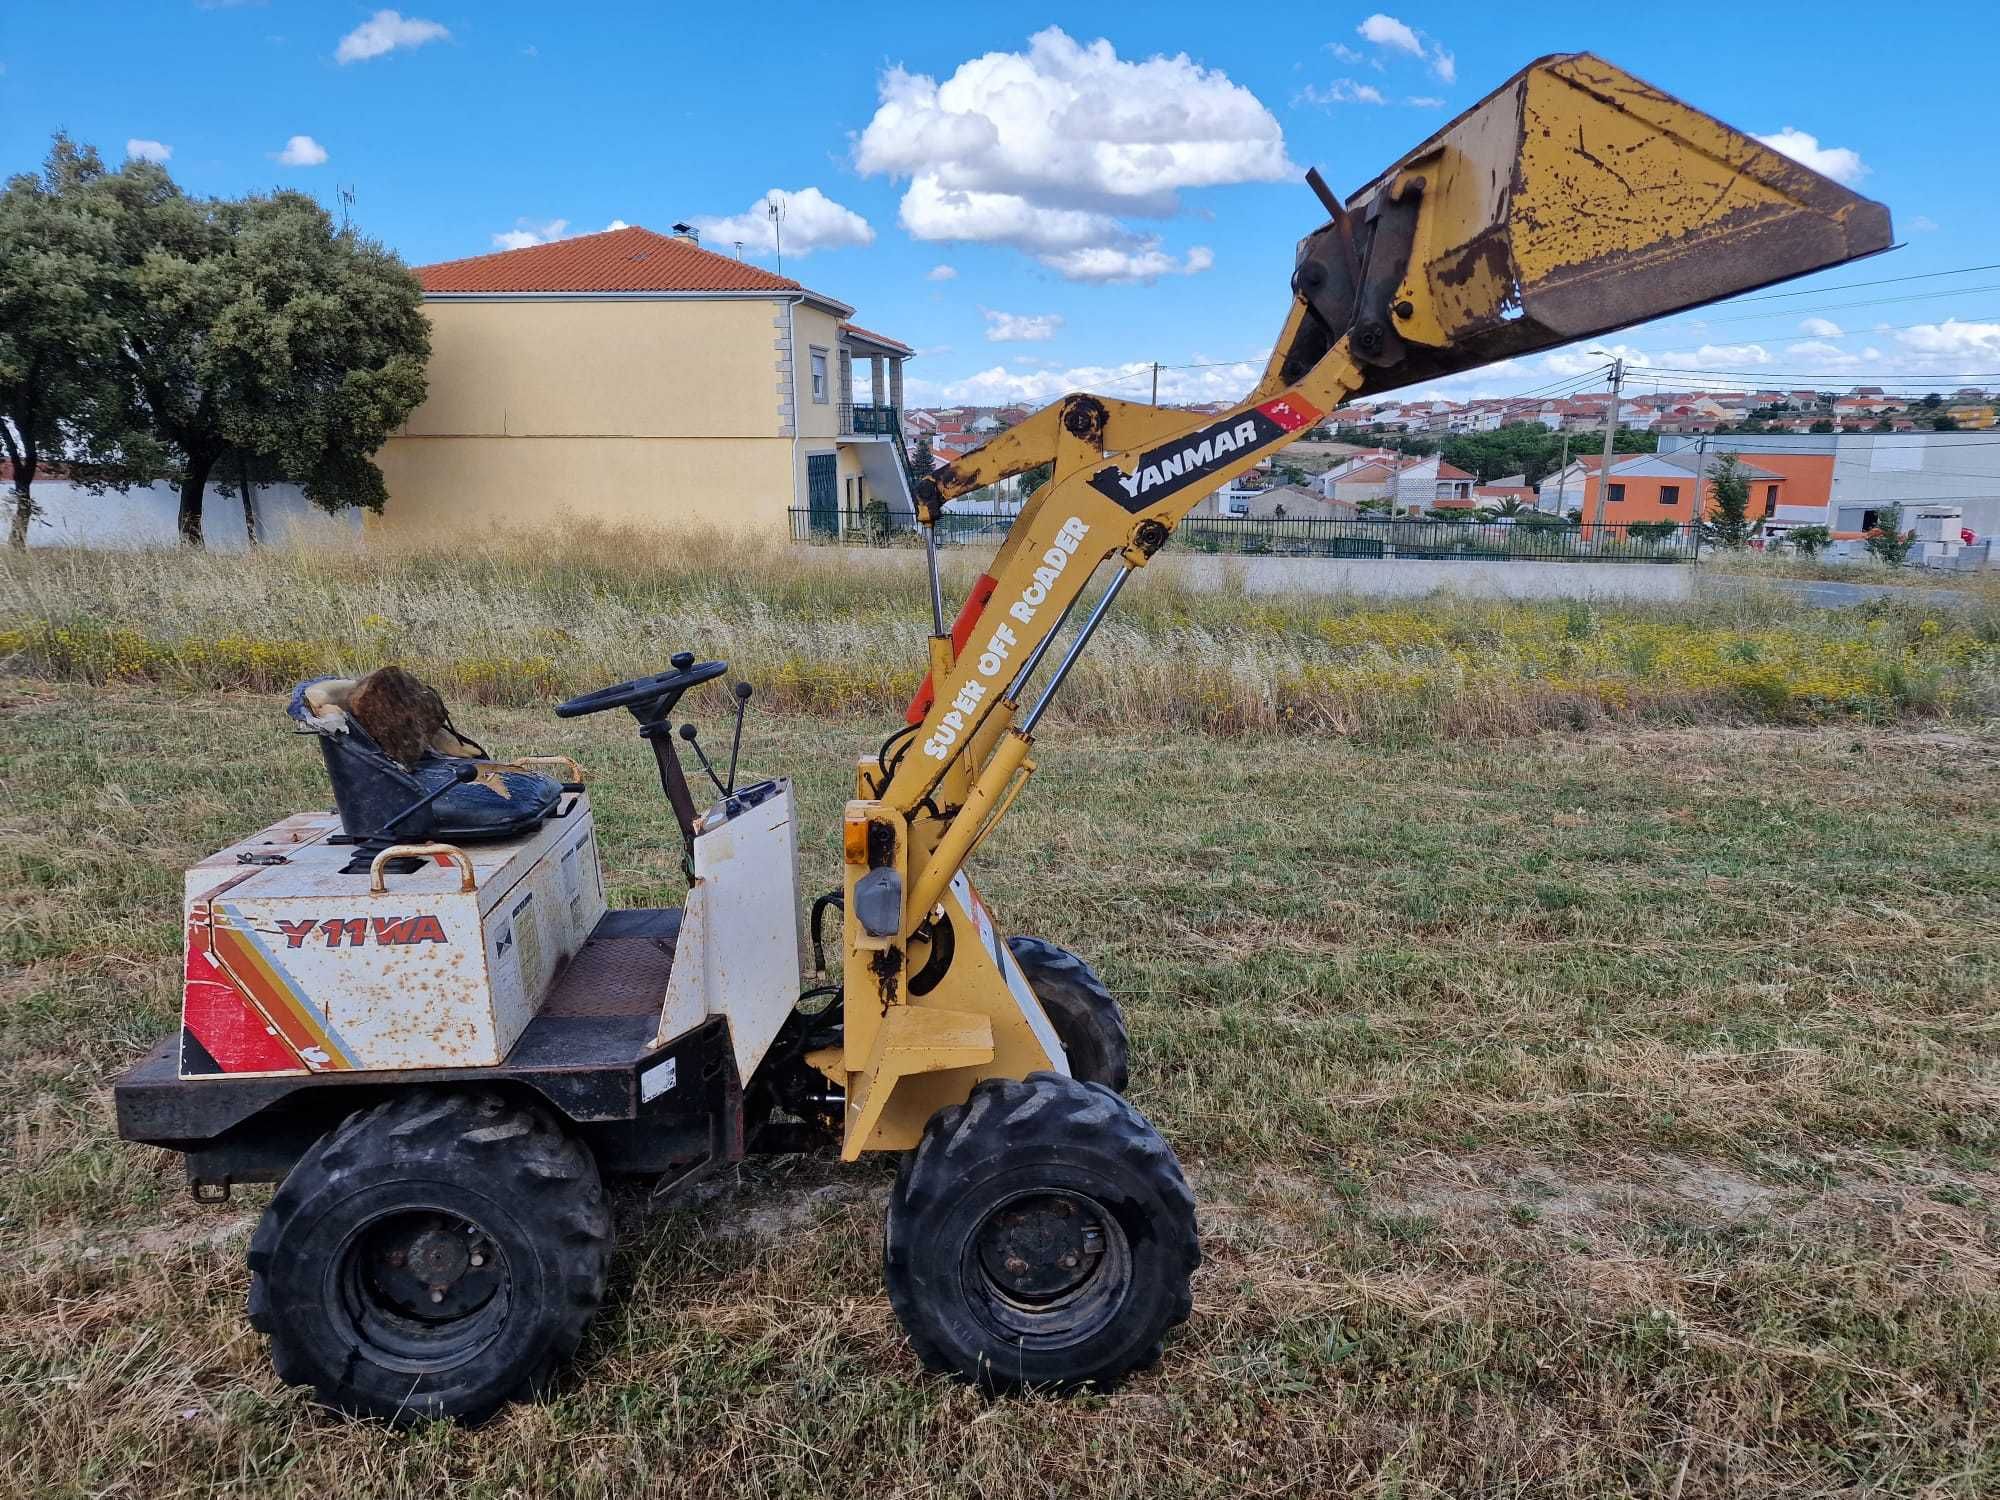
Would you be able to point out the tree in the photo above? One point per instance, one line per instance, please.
(1809, 541)
(1887, 540)
(257, 326)
(1822, 425)
(921, 461)
(1933, 401)
(1728, 522)
(55, 331)
(1033, 479)
(1944, 424)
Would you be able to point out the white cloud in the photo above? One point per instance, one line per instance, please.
(1837, 162)
(144, 150)
(941, 273)
(1019, 328)
(1343, 91)
(301, 151)
(1923, 224)
(1387, 31)
(1109, 264)
(1818, 353)
(528, 232)
(1048, 150)
(1392, 35)
(1953, 338)
(1424, 101)
(1000, 386)
(1820, 328)
(616, 224)
(1715, 357)
(1345, 53)
(385, 32)
(812, 221)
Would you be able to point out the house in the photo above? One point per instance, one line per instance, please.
(1661, 487)
(1285, 502)
(632, 376)
(1844, 480)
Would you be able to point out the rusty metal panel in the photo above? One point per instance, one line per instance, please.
(1576, 199)
(294, 965)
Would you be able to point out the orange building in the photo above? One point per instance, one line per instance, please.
(1661, 487)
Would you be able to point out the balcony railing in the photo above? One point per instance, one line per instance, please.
(857, 419)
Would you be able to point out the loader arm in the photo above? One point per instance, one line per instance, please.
(1572, 200)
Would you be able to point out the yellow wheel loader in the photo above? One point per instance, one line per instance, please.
(417, 1016)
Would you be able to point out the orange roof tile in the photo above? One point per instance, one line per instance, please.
(618, 260)
(876, 338)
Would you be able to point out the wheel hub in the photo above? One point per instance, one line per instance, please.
(433, 1267)
(1041, 1248)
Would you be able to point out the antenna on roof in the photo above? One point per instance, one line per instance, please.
(774, 205)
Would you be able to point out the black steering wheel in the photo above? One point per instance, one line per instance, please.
(657, 694)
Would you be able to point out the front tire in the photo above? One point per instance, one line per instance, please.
(1087, 1020)
(1041, 1235)
(434, 1256)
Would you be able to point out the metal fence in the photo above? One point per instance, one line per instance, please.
(1298, 536)
(860, 417)
(848, 527)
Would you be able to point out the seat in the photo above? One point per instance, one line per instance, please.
(371, 787)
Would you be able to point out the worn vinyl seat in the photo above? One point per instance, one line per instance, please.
(370, 787)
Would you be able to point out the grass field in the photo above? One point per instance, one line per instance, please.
(1593, 1113)
(519, 620)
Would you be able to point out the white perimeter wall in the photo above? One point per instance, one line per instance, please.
(68, 515)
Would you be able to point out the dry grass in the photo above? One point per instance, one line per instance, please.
(1574, 1115)
(523, 619)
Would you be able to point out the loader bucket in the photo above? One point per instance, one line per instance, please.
(1575, 199)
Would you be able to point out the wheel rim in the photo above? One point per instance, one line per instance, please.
(1047, 1267)
(422, 1289)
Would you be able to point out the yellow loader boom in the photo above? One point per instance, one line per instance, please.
(1572, 200)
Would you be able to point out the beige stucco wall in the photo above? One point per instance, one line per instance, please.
(740, 483)
(657, 411)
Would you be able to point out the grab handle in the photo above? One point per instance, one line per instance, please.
(377, 867)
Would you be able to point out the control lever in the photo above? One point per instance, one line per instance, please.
(736, 743)
(688, 734)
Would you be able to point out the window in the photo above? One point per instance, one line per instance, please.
(819, 376)
(1670, 495)
(1771, 500)
(1614, 493)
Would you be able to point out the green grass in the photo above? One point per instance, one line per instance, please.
(1582, 1114)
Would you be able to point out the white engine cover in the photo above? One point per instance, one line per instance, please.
(742, 938)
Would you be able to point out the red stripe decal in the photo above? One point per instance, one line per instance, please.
(961, 632)
(223, 1020)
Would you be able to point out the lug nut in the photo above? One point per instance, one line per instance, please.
(1016, 1264)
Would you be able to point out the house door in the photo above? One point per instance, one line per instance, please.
(822, 493)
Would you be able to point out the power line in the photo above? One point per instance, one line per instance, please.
(1848, 286)
(1794, 312)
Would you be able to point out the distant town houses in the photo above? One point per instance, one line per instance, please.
(1862, 409)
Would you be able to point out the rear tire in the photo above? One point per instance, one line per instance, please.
(1041, 1235)
(1087, 1020)
(434, 1256)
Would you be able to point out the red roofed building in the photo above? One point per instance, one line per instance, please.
(632, 376)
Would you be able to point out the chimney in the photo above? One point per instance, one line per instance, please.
(687, 232)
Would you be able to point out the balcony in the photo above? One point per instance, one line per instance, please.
(858, 420)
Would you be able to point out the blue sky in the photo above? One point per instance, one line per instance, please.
(916, 137)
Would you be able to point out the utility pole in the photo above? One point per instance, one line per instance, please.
(1610, 439)
(1562, 479)
(1156, 382)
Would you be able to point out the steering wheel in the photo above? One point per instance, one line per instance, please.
(663, 690)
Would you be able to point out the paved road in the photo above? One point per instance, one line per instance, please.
(1829, 595)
